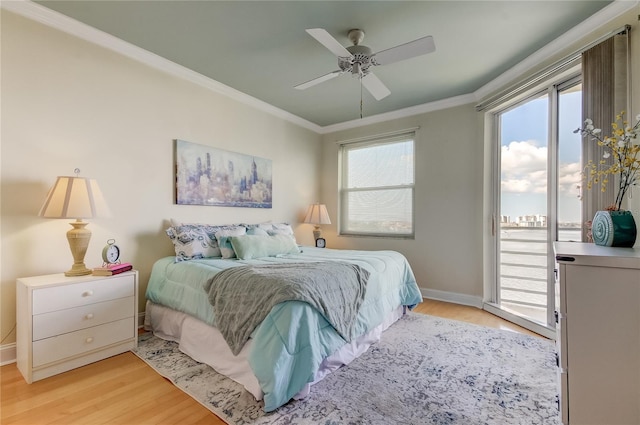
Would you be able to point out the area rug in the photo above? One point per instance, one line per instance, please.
(425, 370)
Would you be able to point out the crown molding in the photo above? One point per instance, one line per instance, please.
(575, 34)
(63, 23)
(51, 18)
(402, 113)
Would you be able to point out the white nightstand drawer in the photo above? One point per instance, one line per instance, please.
(92, 291)
(72, 319)
(82, 341)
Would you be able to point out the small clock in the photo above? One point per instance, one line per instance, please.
(111, 253)
(321, 243)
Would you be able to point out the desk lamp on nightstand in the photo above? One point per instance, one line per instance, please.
(75, 197)
(317, 214)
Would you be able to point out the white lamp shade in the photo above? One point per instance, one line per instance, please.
(317, 214)
(74, 197)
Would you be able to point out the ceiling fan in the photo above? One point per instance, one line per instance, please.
(358, 59)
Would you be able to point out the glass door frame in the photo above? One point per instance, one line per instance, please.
(492, 240)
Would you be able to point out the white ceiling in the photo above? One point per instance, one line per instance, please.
(261, 49)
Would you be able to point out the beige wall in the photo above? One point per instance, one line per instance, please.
(67, 103)
(446, 253)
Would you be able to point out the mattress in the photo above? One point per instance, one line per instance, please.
(289, 346)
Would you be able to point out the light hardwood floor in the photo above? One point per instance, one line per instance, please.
(124, 390)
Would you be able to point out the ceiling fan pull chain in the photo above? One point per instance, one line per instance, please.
(360, 98)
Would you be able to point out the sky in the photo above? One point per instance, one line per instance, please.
(524, 153)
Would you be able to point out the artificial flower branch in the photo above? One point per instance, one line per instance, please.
(624, 146)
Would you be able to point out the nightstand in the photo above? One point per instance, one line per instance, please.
(67, 322)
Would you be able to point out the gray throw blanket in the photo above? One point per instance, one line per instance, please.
(243, 296)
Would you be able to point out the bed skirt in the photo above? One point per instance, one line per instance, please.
(205, 344)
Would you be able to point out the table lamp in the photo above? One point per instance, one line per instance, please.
(75, 197)
(317, 214)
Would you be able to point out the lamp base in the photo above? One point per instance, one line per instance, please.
(78, 238)
(317, 233)
(81, 270)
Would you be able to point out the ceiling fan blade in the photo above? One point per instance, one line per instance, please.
(414, 48)
(318, 80)
(329, 42)
(376, 87)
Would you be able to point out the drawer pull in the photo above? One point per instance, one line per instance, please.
(89, 316)
(87, 293)
(89, 340)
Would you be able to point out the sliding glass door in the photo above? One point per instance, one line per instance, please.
(523, 238)
(537, 202)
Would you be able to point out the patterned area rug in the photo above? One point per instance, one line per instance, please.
(425, 370)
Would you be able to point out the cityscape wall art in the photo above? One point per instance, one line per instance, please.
(211, 176)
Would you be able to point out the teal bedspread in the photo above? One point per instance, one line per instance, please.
(294, 338)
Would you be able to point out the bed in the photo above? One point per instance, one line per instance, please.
(295, 345)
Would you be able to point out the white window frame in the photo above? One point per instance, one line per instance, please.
(344, 190)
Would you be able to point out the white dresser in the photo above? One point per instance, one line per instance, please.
(67, 322)
(598, 325)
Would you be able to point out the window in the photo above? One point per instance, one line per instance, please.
(377, 184)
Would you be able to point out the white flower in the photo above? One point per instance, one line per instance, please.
(622, 160)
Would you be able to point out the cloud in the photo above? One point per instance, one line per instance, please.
(570, 178)
(524, 169)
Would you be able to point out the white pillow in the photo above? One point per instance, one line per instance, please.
(195, 241)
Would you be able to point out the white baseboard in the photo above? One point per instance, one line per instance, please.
(7, 354)
(452, 297)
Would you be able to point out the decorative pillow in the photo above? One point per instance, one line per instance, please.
(224, 242)
(255, 229)
(256, 246)
(281, 229)
(193, 241)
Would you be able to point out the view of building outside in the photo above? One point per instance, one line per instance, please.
(524, 136)
(524, 244)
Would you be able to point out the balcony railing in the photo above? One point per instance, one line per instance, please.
(523, 269)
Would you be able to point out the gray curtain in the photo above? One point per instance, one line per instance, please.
(605, 92)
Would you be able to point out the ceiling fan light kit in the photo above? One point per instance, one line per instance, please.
(358, 59)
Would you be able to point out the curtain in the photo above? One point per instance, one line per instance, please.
(605, 92)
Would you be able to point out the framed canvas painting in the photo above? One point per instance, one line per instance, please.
(211, 176)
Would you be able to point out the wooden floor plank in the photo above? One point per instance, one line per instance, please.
(125, 390)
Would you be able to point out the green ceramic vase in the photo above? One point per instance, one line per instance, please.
(614, 228)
